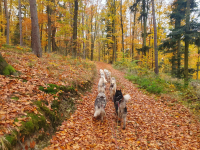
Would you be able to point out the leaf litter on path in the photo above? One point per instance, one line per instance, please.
(150, 124)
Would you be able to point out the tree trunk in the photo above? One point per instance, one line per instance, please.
(198, 61)
(133, 38)
(186, 43)
(49, 27)
(83, 32)
(20, 23)
(36, 45)
(92, 40)
(155, 38)
(122, 28)
(74, 51)
(8, 22)
(145, 32)
(113, 34)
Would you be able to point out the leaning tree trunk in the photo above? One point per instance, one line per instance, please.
(35, 40)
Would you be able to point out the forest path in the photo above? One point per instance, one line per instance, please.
(150, 124)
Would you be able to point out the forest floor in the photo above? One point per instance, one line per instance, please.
(152, 123)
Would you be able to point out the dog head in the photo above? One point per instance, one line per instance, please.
(118, 96)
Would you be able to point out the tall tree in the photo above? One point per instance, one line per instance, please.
(143, 18)
(35, 39)
(155, 38)
(92, 33)
(122, 28)
(186, 43)
(54, 45)
(134, 10)
(49, 10)
(75, 29)
(20, 23)
(8, 22)
(113, 34)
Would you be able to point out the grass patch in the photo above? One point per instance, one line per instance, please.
(152, 85)
(163, 84)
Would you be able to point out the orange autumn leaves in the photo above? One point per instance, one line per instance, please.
(150, 124)
(18, 93)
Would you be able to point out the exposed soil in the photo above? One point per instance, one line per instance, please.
(151, 124)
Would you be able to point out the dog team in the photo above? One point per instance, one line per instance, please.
(116, 95)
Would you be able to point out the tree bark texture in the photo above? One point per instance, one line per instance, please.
(36, 45)
(122, 28)
(49, 27)
(74, 51)
(155, 38)
(92, 37)
(20, 23)
(8, 22)
(186, 43)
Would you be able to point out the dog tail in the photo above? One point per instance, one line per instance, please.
(105, 80)
(127, 97)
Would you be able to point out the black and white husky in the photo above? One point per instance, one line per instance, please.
(99, 105)
(120, 106)
(113, 87)
(102, 85)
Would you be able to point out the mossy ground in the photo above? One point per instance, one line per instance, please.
(8, 70)
(47, 119)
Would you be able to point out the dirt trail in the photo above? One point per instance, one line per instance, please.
(150, 124)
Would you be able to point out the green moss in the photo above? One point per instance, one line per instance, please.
(53, 116)
(55, 104)
(34, 124)
(15, 98)
(12, 138)
(8, 70)
(53, 89)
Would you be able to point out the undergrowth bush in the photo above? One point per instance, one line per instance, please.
(152, 85)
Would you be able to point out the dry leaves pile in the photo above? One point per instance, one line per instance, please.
(150, 124)
(18, 93)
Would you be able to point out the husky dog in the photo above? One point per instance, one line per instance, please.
(120, 106)
(113, 87)
(102, 73)
(99, 105)
(102, 85)
(108, 74)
